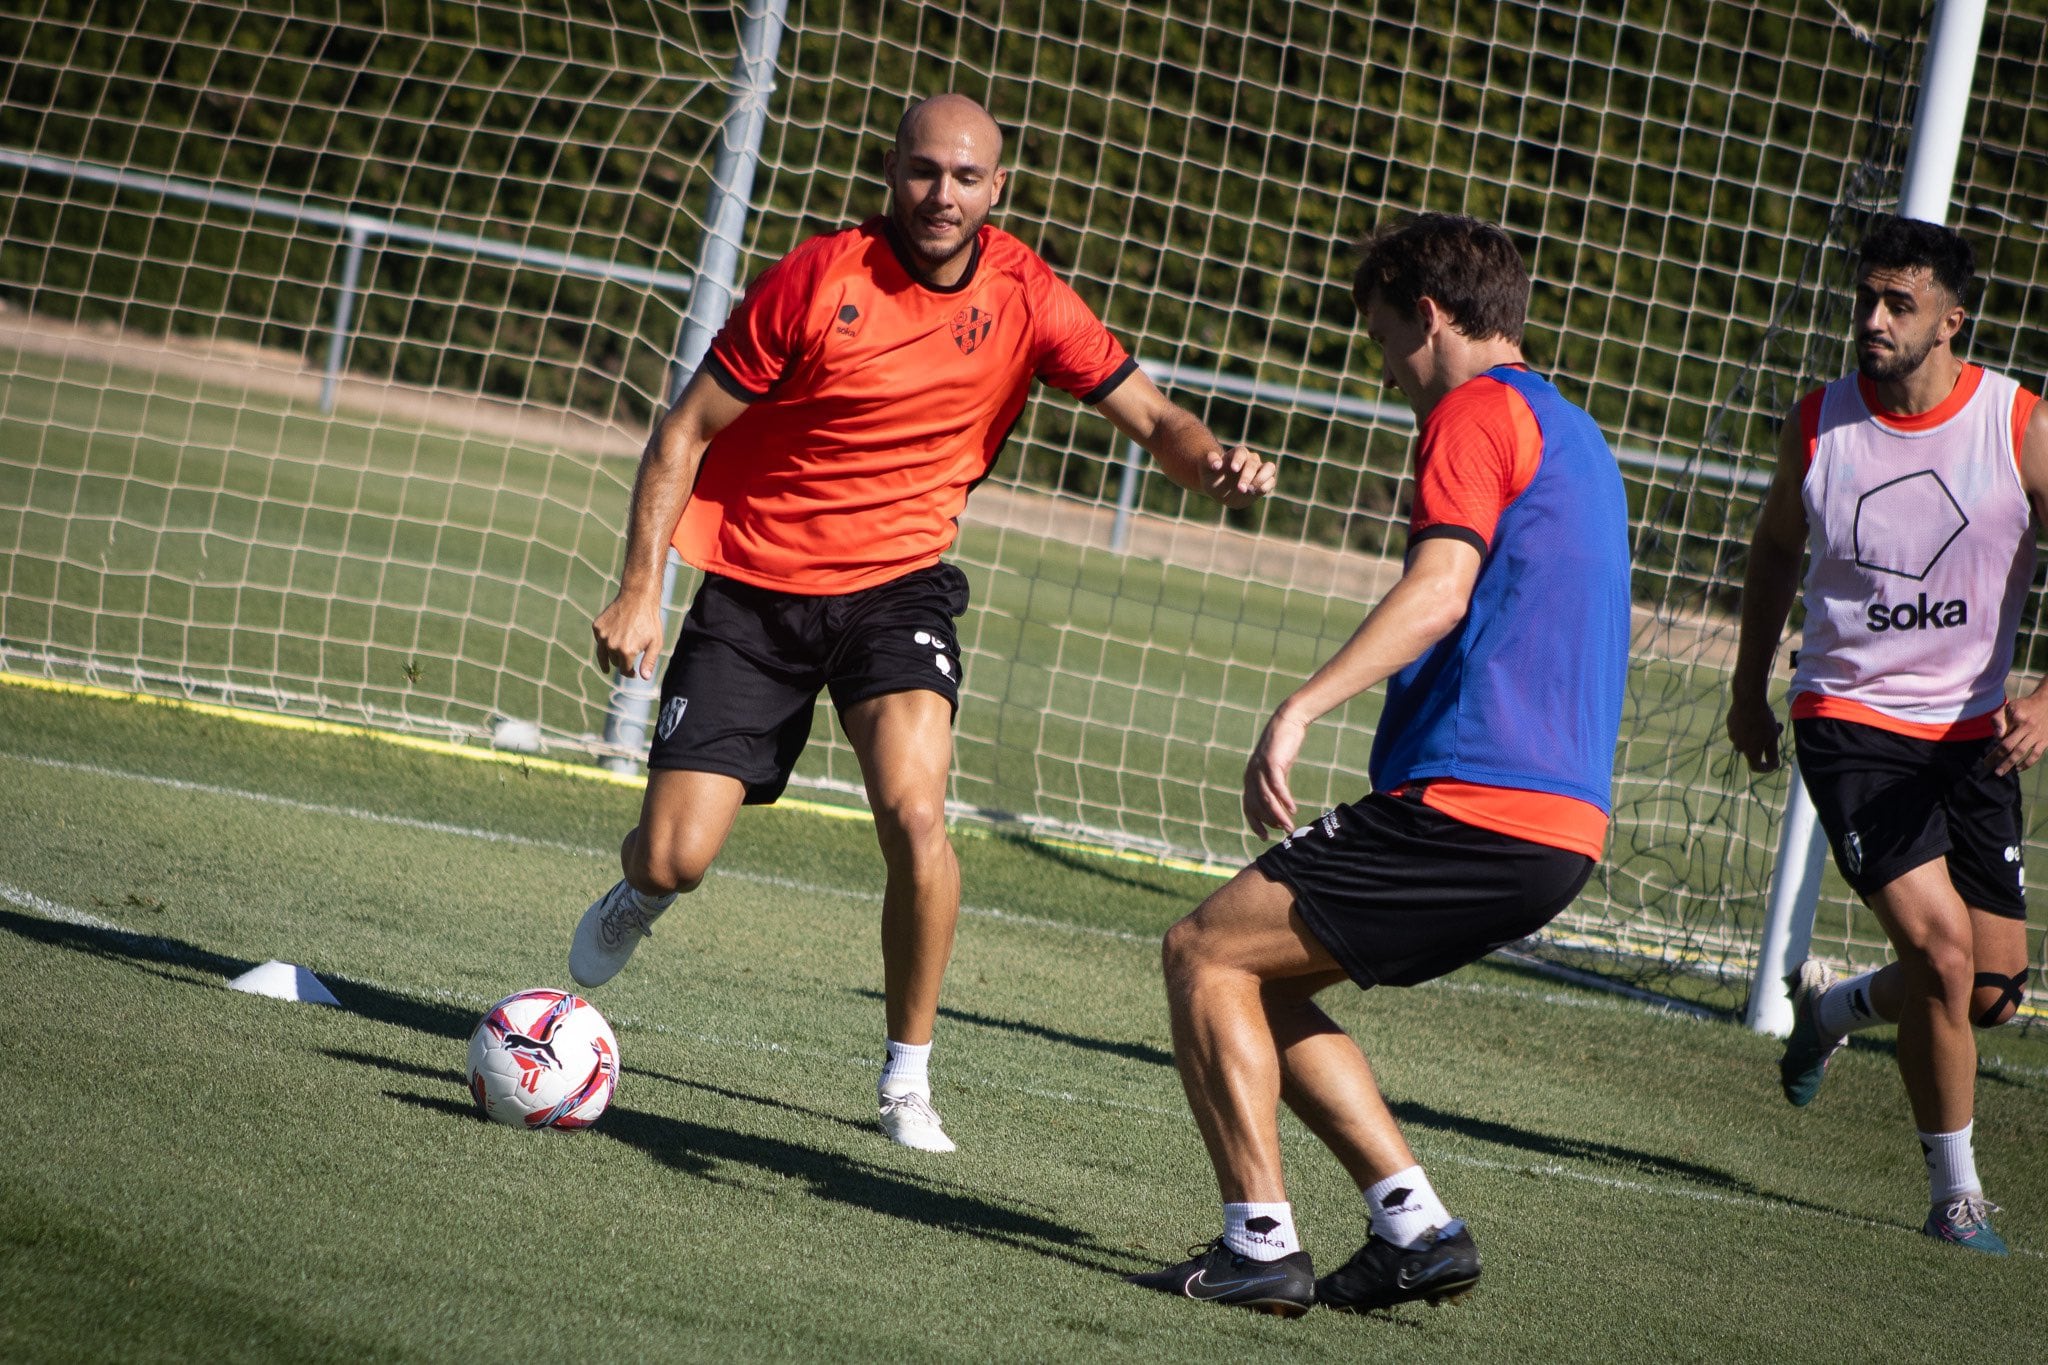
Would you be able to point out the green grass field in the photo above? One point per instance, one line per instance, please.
(195, 1173)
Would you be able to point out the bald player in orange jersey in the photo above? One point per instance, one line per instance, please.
(814, 468)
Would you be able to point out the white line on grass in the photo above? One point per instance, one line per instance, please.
(552, 845)
(65, 914)
(48, 909)
(308, 807)
(2002, 1067)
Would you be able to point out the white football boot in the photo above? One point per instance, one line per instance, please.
(909, 1119)
(607, 935)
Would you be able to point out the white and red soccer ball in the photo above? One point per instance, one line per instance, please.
(543, 1059)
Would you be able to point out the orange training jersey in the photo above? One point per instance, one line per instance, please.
(1477, 452)
(876, 402)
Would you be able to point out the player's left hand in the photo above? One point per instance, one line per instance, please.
(2022, 734)
(1238, 477)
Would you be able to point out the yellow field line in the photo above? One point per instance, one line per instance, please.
(587, 771)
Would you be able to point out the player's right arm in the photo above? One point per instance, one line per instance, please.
(628, 632)
(1428, 603)
(1768, 588)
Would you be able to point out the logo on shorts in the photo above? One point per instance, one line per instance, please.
(1852, 851)
(671, 716)
(1328, 822)
(2012, 853)
(938, 646)
(971, 327)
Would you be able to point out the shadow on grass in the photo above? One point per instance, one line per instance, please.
(1598, 1153)
(695, 1149)
(1137, 1052)
(145, 951)
(704, 1152)
(1099, 868)
(866, 1128)
(452, 1075)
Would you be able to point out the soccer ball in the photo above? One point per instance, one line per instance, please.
(543, 1059)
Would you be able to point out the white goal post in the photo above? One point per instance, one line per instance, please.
(1926, 193)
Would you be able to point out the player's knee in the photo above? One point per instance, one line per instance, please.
(1997, 998)
(911, 827)
(662, 879)
(1180, 952)
(1943, 965)
(660, 865)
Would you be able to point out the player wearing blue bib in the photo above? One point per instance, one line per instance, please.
(1504, 647)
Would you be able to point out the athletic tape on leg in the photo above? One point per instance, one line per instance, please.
(2012, 993)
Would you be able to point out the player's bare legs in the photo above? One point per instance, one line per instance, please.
(1240, 972)
(904, 741)
(1328, 1083)
(1936, 938)
(1999, 951)
(1958, 969)
(684, 820)
(2001, 967)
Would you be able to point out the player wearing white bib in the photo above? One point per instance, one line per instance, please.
(1916, 487)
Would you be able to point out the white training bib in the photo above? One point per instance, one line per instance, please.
(1921, 549)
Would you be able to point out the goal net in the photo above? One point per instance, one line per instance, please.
(328, 344)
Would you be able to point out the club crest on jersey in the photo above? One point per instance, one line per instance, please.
(971, 327)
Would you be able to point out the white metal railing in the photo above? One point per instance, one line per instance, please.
(1167, 374)
(356, 229)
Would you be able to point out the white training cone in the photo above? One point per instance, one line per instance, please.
(283, 981)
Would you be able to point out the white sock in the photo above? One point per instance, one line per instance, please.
(1264, 1232)
(906, 1070)
(1951, 1164)
(1845, 1007)
(650, 906)
(1404, 1206)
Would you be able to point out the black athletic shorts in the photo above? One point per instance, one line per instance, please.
(1890, 802)
(1401, 894)
(749, 664)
